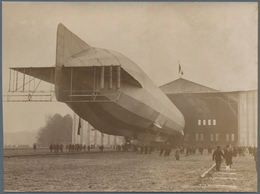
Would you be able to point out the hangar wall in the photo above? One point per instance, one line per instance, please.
(247, 118)
(90, 136)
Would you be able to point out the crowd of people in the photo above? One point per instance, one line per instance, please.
(73, 148)
(56, 147)
(80, 147)
(69, 147)
(218, 155)
(166, 150)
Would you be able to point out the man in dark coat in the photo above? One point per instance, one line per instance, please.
(217, 156)
(101, 148)
(228, 156)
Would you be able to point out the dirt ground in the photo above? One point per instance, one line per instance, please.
(119, 172)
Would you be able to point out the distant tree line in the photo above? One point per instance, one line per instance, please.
(57, 130)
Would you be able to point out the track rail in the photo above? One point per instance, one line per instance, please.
(213, 179)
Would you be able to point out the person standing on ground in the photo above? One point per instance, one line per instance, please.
(201, 150)
(187, 150)
(235, 151)
(217, 156)
(51, 147)
(34, 147)
(161, 151)
(61, 147)
(101, 148)
(177, 154)
(228, 156)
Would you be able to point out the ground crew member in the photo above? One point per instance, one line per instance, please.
(34, 147)
(57, 147)
(201, 150)
(161, 151)
(228, 156)
(235, 151)
(217, 156)
(177, 154)
(188, 151)
(101, 148)
(51, 147)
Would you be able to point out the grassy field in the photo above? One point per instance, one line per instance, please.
(119, 172)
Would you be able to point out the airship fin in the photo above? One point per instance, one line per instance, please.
(68, 44)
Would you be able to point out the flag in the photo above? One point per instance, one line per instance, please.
(180, 71)
(79, 126)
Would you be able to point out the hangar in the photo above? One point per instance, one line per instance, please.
(214, 117)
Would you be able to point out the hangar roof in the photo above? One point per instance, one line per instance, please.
(185, 86)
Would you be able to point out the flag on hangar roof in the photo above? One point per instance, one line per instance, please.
(180, 71)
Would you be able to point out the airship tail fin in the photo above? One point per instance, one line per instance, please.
(67, 45)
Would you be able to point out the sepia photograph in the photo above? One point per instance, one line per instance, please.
(130, 96)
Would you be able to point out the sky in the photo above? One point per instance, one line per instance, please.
(215, 43)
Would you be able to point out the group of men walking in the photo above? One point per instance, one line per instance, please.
(228, 153)
(69, 147)
(218, 155)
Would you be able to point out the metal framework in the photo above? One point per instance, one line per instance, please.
(103, 88)
(27, 88)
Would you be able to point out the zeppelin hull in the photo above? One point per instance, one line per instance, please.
(128, 117)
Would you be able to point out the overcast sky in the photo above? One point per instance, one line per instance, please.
(216, 43)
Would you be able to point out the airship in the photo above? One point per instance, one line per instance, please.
(110, 91)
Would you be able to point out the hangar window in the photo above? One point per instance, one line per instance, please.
(227, 137)
(211, 137)
(197, 137)
(199, 122)
(214, 122)
(209, 122)
(216, 137)
(233, 137)
(204, 122)
(201, 137)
